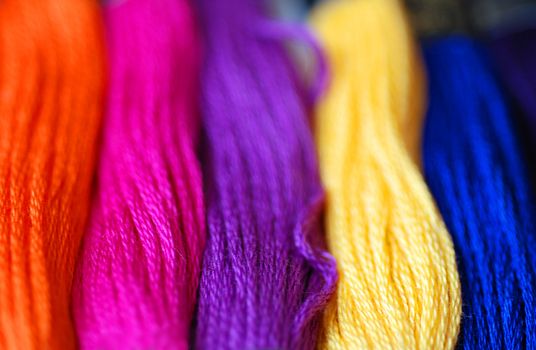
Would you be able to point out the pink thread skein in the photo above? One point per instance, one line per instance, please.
(138, 269)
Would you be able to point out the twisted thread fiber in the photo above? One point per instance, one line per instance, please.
(139, 268)
(265, 277)
(474, 169)
(51, 89)
(398, 285)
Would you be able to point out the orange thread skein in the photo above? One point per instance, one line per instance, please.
(51, 89)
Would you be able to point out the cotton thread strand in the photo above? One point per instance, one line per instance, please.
(51, 89)
(398, 285)
(139, 268)
(474, 169)
(265, 276)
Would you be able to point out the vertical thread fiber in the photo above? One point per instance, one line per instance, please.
(398, 284)
(474, 169)
(51, 89)
(138, 273)
(265, 277)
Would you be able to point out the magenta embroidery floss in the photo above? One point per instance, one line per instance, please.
(139, 267)
(265, 276)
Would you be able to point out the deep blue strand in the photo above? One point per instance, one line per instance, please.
(474, 168)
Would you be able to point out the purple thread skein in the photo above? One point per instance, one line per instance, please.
(265, 276)
(515, 57)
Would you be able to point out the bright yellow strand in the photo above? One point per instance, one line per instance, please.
(398, 285)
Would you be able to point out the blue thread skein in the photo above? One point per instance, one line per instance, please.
(474, 168)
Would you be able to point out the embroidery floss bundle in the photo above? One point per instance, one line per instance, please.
(51, 89)
(514, 54)
(139, 267)
(265, 277)
(398, 283)
(474, 169)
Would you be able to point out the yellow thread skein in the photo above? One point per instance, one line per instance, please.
(399, 285)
